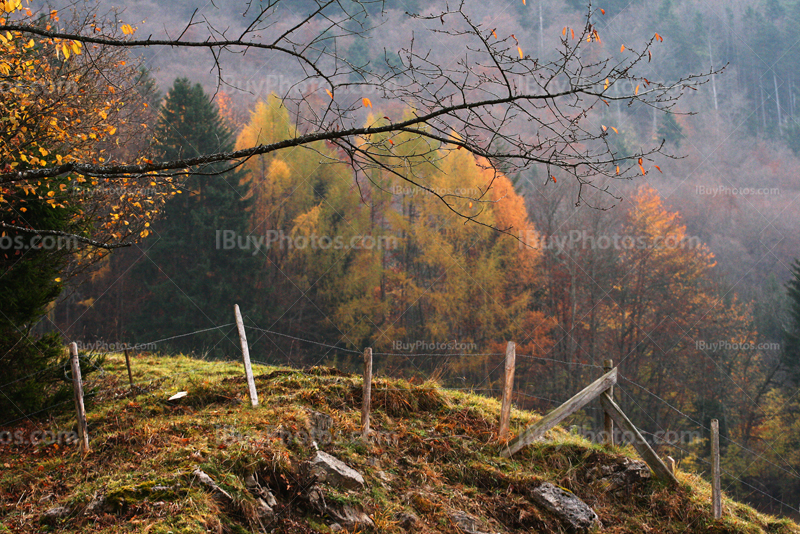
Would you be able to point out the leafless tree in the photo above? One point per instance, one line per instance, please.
(497, 102)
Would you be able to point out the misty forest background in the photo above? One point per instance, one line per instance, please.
(707, 326)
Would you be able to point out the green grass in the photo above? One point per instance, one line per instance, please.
(434, 452)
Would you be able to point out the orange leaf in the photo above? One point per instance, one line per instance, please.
(617, 169)
(640, 161)
(615, 130)
(636, 91)
(367, 103)
(642, 169)
(605, 102)
(329, 94)
(571, 31)
(659, 169)
(603, 11)
(523, 3)
(391, 142)
(564, 31)
(604, 128)
(554, 179)
(622, 48)
(521, 55)
(659, 38)
(494, 33)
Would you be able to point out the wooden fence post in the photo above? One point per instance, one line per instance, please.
(508, 388)
(608, 422)
(77, 384)
(248, 370)
(367, 393)
(716, 488)
(128, 364)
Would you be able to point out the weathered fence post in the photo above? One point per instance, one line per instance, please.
(367, 393)
(716, 489)
(77, 384)
(608, 422)
(128, 364)
(248, 370)
(508, 388)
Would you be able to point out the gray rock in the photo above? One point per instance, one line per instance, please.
(467, 523)
(334, 472)
(344, 514)
(260, 491)
(409, 520)
(264, 511)
(568, 508)
(57, 512)
(619, 477)
(208, 482)
(97, 506)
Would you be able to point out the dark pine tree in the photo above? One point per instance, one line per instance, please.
(791, 334)
(189, 281)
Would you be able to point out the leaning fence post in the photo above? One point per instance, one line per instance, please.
(508, 387)
(128, 364)
(716, 489)
(367, 393)
(248, 370)
(608, 423)
(77, 384)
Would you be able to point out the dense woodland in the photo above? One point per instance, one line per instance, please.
(680, 276)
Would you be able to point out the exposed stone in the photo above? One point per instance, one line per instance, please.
(97, 506)
(566, 506)
(346, 515)
(260, 491)
(334, 472)
(264, 510)
(57, 512)
(467, 523)
(336, 527)
(208, 482)
(409, 520)
(620, 476)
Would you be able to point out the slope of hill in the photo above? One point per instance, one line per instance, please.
(209, 462)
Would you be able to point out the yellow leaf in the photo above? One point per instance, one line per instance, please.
(367, 103)
(495, 34)
(145, 233)
(51, 193)
(606, 85)
(617, 169)
(521, 55)
(30, 44)
(76, 48)
(57, 279)
(127, 29)
(65, 51)
(636, 91)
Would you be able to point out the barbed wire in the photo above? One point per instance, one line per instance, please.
(734, 442)
(559, 361)
(303, 340)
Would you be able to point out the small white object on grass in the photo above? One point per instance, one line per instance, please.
(179, 395)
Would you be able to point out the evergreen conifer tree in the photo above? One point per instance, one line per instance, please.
(191, 282)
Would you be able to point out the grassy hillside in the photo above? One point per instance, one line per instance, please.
(434, 452)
